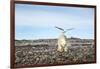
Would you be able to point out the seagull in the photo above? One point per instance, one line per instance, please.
(64, 31)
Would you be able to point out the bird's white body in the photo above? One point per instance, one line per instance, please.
(62, 44)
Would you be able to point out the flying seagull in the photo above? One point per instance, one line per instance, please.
(63, 29)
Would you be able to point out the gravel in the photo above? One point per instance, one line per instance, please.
(31, 55)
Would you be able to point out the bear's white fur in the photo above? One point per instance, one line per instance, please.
(62, 43)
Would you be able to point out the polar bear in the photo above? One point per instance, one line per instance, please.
(62, 43)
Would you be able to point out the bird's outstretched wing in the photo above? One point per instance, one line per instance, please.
(59, 28)
(69, 29)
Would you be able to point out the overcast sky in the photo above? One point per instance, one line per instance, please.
(38, 22)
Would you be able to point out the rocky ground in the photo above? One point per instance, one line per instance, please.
(30, 55)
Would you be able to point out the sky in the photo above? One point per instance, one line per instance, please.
(39, 21)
